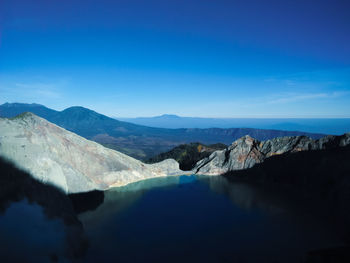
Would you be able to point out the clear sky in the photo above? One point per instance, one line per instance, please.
(129, 58)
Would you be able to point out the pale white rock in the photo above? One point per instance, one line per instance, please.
(74, 164)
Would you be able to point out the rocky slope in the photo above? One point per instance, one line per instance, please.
(187, 155)
(61, 158)
(247, 151)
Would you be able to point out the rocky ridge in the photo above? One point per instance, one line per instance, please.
(246, 152)
(72, 163)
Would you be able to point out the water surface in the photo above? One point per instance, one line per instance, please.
(185, 218)
(204, 219)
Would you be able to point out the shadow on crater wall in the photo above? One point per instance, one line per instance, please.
(19, 188)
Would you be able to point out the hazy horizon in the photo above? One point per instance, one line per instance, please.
(336, 126)
(184, 116)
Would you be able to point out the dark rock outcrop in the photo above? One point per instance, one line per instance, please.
(187, 155)
(247, 151)
(323, 175)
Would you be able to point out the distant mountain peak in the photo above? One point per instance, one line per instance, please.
(169, 116)
(75, 108)
(17, 104)
(81, 110)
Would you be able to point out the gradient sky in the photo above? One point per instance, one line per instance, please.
(202, 58)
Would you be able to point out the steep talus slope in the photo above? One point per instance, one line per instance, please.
(59, 157)
(247, 151)
(138, 141)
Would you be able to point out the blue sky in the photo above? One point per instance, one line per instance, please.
(191, 58)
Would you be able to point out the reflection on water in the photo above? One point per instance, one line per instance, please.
(24, 226)
(37, 221)
(200, 219)
(186, 218)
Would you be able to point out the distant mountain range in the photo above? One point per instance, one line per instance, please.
(139, 141)
(335, 126)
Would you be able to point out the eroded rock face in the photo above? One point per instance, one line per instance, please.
(56, 156)
(247, 151)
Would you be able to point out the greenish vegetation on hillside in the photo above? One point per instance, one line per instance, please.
(188, 154)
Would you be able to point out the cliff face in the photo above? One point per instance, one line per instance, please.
(56, 156)
(247, 151)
